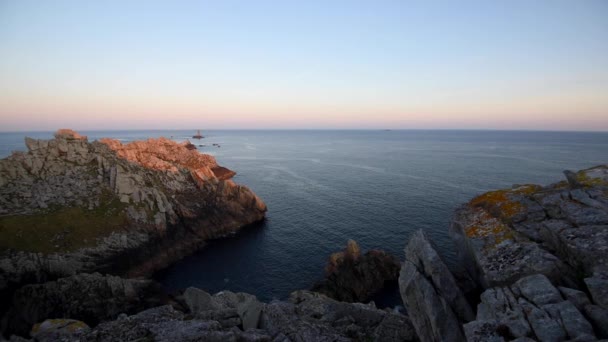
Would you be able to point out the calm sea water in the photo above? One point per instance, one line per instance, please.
(376, 187)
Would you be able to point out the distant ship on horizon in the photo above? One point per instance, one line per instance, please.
(197, 135)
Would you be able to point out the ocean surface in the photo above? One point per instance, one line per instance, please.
(376, 187)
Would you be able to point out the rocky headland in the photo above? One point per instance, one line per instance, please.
(535, 258)
(70, 206)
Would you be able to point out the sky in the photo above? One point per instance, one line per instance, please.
(538, 65)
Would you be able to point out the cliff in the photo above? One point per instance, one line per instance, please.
(537, 254)
(535, 260)
(69, 206)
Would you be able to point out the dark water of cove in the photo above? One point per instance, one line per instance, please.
(376, 187)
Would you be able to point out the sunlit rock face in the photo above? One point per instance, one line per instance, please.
(68, 205)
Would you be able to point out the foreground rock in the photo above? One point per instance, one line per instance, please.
(91, 298)
(533, 308)
(228, 316)
(69, 206)
(352, 277)
(560, 230)
(434, 302)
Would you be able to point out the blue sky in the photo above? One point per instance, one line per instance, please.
(304, 64)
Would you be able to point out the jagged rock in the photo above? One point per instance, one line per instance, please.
(353, 277)
(230, 309)
(198, 300)
(430, 294)
(86, 297)
(310, 316)
(307, 316)
(598, 317)
(598, 287)
(532, 307)
(70, 206)
(560, 230)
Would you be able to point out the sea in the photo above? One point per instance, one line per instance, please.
(324, 187)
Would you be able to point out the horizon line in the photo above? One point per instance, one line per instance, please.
(312, 129)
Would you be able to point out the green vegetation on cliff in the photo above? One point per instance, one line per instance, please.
(61, 229)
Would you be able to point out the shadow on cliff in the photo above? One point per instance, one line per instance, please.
(210, 267)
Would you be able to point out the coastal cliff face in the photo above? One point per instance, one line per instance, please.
(538, 256)
(69, 206)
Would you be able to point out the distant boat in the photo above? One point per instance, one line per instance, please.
(198, 135)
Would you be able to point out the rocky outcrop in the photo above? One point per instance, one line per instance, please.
(434, 302)
(518, 245)
(533, 308)
(560, 230)
(91, 298)
(352, 277)
(69, 206)
(227, 316)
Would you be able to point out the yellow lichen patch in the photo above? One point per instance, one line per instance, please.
(583, 178)
(59, 323)
(500, 201)
(488, 228)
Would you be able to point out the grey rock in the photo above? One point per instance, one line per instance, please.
(598, 317)
(430, 294)
(545, 327)
(198, 300)
(598, 287)
(576, 297)
(538, 290)
(167, 214)
(533, 307)
(86, 297)
(574, 323)
(482, 331)
(560, 230)
(249, 311)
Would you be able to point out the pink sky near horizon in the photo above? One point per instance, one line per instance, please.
(539, 65)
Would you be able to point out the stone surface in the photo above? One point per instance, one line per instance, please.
(86, 297)
(430, 294)
(533, 308)
(560, 230)
(353, 277)
(307, 316)
(58, 329)
(70, 206)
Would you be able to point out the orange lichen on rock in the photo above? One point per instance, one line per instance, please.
(502, 201)
(168, 155)
(486, 227)
(352, 252)
(69, 134)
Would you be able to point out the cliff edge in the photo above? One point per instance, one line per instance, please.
(70, 206)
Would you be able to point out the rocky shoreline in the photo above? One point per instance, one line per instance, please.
(535, 258)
